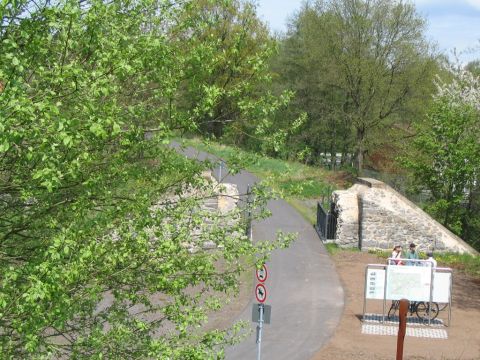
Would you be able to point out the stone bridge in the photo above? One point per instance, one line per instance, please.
(372, 215)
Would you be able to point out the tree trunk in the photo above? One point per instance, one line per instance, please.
(360, 150)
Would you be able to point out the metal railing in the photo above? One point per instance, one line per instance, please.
(326, 225)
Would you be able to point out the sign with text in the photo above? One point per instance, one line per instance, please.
(375, 286)
(402, 286)
(408, 282)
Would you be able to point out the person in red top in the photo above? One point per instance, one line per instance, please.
(396, 254)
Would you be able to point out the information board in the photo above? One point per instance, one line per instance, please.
(408, 282)
(375, 286)
(441, 287)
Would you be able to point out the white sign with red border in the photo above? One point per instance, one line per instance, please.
(262, 273)
(260, 293)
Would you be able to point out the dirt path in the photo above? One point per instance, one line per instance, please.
(349, 343)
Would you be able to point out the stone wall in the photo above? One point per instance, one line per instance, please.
(371, 215)
(346, 205)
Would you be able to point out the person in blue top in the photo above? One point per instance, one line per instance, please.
(412, 254)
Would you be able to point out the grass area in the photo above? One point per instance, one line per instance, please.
(300, 185)
(308, 209)
(468, 263)
(333, 249)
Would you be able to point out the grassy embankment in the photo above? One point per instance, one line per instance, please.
(302, 186)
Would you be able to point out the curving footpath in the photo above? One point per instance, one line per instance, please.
(303, 287)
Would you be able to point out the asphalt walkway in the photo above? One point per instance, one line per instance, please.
(303, 287)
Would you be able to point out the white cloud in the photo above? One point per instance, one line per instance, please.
(439, 3)
(474, 3)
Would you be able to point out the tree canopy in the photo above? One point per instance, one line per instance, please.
(101, 224)
(358, 68)
(446, 155)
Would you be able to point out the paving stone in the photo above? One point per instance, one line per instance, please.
(431, 333)
(372, 325)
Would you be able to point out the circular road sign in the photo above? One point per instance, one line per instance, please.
(260, 293)
(262, 273)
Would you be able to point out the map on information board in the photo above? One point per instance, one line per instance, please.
(409, 282)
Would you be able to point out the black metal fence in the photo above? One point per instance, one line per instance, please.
(326, 225)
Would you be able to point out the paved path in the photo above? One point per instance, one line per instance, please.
(302, 286)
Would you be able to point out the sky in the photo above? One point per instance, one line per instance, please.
(451, 24)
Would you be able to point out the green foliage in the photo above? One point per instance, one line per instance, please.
(470, 264)
(357, 68)
(445, 159)
(235, 65)
(309, 188)
(332, 248)
(473, 67)
(101, 224)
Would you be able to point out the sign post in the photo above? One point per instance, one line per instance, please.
(259, 333)
(260, 311)
(220, 167)
(402, 326)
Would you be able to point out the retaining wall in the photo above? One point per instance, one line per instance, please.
(372, 215)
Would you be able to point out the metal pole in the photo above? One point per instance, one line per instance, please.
(450, 299)
(249, 213)
(259, 332)
(402, 327)
(431, 296)
(365, 293)
(384, 294)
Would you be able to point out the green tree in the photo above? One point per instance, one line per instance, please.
(362, 66)
(239, 51)
(231, 63)
(302, 66)
(446, 156)
(101, 225)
